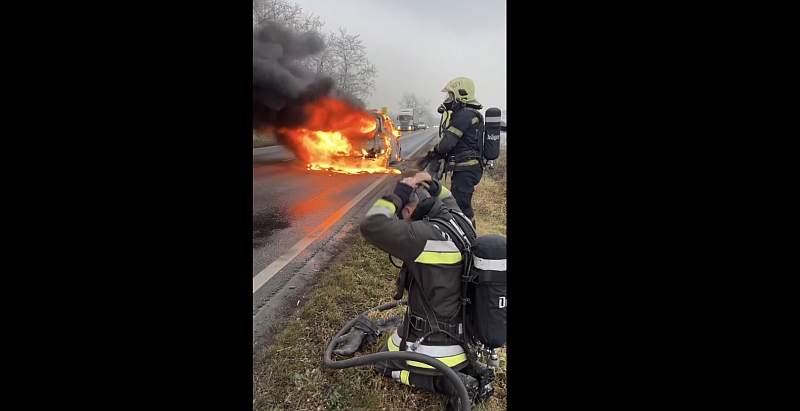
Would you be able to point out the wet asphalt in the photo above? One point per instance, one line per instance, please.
(289, 201)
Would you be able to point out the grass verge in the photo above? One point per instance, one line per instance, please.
(289, 373)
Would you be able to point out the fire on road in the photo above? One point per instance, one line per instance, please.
(341, 138)
(289, 200)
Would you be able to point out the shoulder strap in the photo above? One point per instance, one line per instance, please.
(465, 224)
(481, 131)
(454, 231)
(463, 240)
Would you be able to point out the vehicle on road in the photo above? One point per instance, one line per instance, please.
(422, 126)
(405, 120)
(383, 132)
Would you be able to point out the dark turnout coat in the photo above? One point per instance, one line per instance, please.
(432, 264)
(461, 137)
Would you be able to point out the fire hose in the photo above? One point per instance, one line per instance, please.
(371, 359)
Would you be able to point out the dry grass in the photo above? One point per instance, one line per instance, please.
(289, 374)
(489, 199)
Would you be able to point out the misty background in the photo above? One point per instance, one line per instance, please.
(396, 51)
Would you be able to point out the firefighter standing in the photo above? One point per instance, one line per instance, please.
(460, 134)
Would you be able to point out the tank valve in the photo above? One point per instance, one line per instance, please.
(494, 360)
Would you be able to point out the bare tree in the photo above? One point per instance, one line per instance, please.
(353, 72)
(292, 16)
(422, 108)
(409, 100)
(323, 64)
(287, 13)
(344, 58)
(424, 111)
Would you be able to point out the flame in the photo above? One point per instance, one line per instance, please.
(335, 137)
(366, 128)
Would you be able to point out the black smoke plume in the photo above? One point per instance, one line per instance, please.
(281, 86)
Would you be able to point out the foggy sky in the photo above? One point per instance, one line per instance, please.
(417, 46)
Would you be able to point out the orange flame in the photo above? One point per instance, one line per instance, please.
(336, 137)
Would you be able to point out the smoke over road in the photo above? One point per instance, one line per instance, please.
(281, 86)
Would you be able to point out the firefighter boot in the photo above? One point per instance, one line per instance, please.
(453, 401)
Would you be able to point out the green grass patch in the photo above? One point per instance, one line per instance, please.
(289, 373)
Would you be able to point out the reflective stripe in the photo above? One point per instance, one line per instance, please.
(430, 350)
(393, 346)
(475, 120)
(444, 193)
(448, 361)
(457, 227)
(382, 206)
(442, 246)
(493, 119)
(436, 257)
(455, 131)
(493, 265)
(468, 163)
(465, 218)
(404, 377)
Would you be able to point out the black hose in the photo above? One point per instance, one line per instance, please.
(395, 355)
(391, 260)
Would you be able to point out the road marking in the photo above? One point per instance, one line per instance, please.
(269, 271)
(261, 278)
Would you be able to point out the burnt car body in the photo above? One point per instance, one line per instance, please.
(376, 145)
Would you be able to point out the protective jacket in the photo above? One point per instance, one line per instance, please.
(432, 268)
(461, 137)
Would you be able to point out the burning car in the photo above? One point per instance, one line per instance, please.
(384, 133)
(342, 138)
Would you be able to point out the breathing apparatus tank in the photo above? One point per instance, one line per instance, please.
(491, 137)
(487, 291)
(485, 279)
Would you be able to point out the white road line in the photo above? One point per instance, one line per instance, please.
(269, 271)
(261, 278)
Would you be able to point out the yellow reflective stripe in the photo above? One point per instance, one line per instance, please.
(444, 193)
(404, 377)
(475, 120)
(455, 131)
(450, 361)
(468, 163)
(446, 124)
(437, 257)
(386, 203)
(391, 346)
(382, 206)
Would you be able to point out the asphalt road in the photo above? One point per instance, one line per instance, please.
(289, 201)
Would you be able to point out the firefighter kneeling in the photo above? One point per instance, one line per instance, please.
(432, 238)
